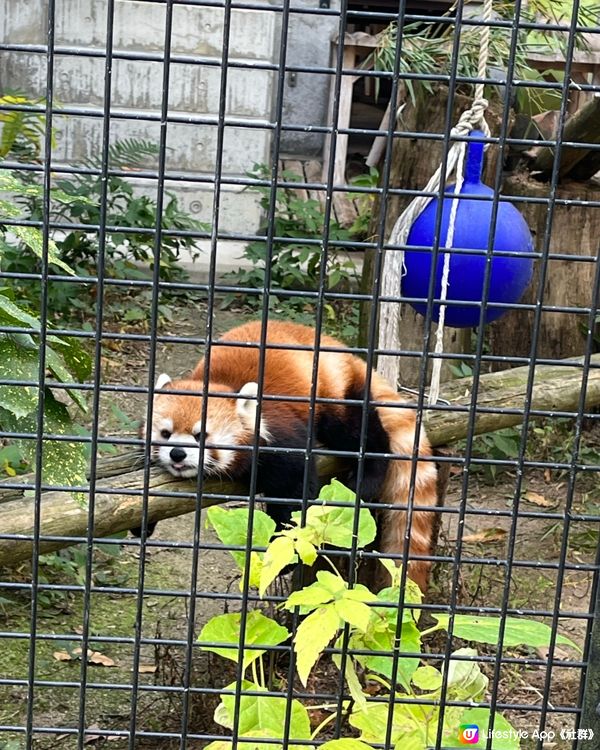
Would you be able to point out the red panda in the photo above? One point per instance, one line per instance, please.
(230, 422)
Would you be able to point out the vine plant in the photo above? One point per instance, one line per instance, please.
(330, 611)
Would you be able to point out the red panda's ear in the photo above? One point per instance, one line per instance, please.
(246, 407)
(163, 379)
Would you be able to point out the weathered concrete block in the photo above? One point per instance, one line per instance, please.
(23, 22)
(238, 208)
(137, 84)
(141, 26)
(190, 148)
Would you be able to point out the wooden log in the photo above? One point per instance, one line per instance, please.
(557, 388)
(582, 127)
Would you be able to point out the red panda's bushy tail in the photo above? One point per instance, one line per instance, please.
(400, 425)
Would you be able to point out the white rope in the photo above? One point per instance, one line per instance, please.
(393, 266)
(436, 370)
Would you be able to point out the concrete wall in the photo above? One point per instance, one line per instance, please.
(306, 95)
(137, 87)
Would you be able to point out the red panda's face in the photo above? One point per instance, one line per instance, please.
(177, 424)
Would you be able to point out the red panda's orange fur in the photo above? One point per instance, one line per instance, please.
(289, 373)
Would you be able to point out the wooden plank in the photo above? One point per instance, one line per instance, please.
(343, 122)
(344, 209)
(312, 173)
(296, 167)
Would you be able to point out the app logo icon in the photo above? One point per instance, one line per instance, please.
(468, 734)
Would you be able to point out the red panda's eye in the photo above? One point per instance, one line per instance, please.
(165, 434)
(197, 437)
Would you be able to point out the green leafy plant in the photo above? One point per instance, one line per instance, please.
(427, 48)
(128, 253)
(63, 462)
(333, 610)
(21, 131)
(364, 201)
(69, 566)
(294, 263)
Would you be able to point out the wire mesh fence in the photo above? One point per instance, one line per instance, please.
(183, 561)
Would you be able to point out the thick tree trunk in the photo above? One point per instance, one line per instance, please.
(582, 127)
(414, 160)
(569, 283)
(118, 502)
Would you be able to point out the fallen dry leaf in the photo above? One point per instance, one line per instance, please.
(537, 499)
(92, 737)
(492, 534)
(94, 657)
(147, 668)
(62, 656)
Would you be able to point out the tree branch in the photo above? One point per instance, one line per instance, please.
(119, 497)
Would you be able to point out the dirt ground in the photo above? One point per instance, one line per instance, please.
(160, 702)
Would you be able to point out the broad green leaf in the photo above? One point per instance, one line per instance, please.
(373, 723)
(280, 552)
(518, 631)
(346, 743)
(221, 745)
(332, 582)
(427, 678)
(378, 641)
(57, 367)
(231, 526)
(466, 681)
(308, 598)
(17, 363)
(354, 686)
(9, 210)
(264, 716)
(13, 314)
(360, 593)
(355, 613)
(226, 630)
(394, 570)
(33, 238)
(313, 635)
(77, 360)
(412, 592)
(222, 715)
(307, 551)
(505, 738)
(333, 525)
(63, 463)
(9, 182)
(335, 491)
(392, 596)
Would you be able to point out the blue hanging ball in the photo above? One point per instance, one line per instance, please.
(510, 276)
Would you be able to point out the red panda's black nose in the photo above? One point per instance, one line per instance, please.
(177, 455)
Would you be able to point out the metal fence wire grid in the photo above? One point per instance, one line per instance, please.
(283, 465)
